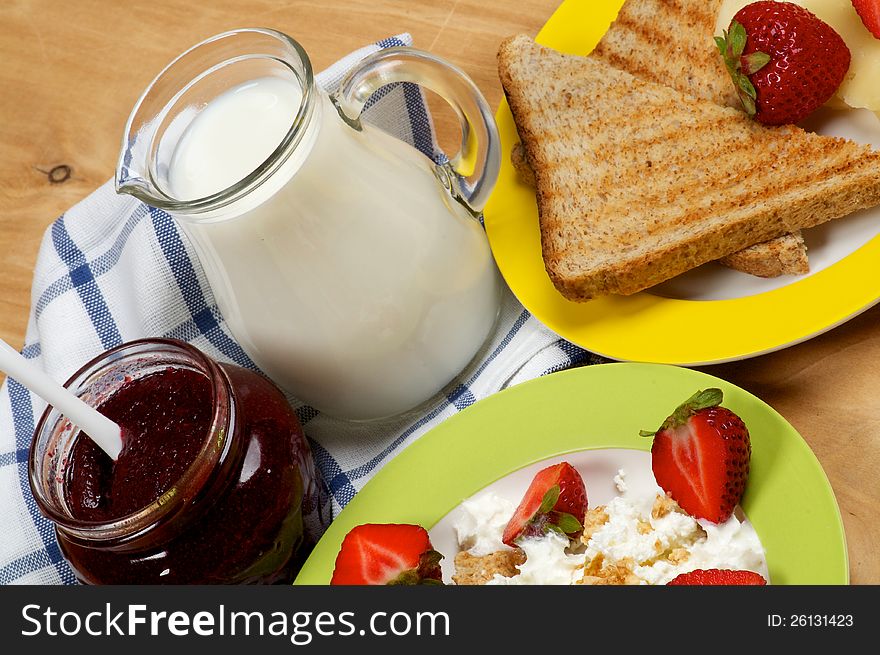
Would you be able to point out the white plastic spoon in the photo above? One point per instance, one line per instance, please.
(104, 432)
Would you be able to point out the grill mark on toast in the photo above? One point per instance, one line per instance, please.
(658, 25)
(683, 32)
(632, 154)
(666, 207)
(687, 213)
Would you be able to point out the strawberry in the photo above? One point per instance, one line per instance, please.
(387, 554)
(555, 500)
(785, 62)
(710, 577)
(700, 456)
(869, 12)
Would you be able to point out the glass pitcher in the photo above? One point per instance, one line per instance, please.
(350, 267)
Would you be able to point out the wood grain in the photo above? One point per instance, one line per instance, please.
(71, 71)
(826, 388)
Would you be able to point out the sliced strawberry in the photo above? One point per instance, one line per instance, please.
(869, 12)
(701, 455)
(710, 577)
(382, 554)
(555, 500)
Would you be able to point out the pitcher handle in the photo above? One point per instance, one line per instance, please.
(476, 164)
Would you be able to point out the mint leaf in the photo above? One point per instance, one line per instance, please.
(568, 523)
(549, 500)
(555, 528)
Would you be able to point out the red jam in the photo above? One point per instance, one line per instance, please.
(216, 445)
(164, 418)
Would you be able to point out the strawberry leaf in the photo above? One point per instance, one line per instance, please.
(429, 559)
(712, 397)
(731, 46)
(754, 62)
(709, 397)
(406, 578)
(429, 563)
(745, 86)
(748, 104)
(737, 38)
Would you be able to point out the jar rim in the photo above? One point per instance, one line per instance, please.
(195, 481)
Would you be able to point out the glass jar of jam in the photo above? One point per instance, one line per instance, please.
(210, 485)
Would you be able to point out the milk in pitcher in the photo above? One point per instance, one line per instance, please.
(350, 276)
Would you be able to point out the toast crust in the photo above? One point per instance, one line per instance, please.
(786, 255)
(625, 203)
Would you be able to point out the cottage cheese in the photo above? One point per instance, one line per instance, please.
(482, 523)
(663, 544)
(548, 562)
(645, 535)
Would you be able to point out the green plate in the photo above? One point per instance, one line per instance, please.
(788, 499)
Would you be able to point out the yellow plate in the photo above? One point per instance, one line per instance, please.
(648, 327)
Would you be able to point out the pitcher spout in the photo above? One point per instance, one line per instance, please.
(129, 181)
(133, 166)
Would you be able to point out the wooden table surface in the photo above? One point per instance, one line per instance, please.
(71, 70)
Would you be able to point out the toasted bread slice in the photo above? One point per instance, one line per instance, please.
(670, 42)
(683, 32)
(691, 64)
(637, 182)
(785, 255)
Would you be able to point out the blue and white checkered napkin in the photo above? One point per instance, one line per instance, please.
(112, 269)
